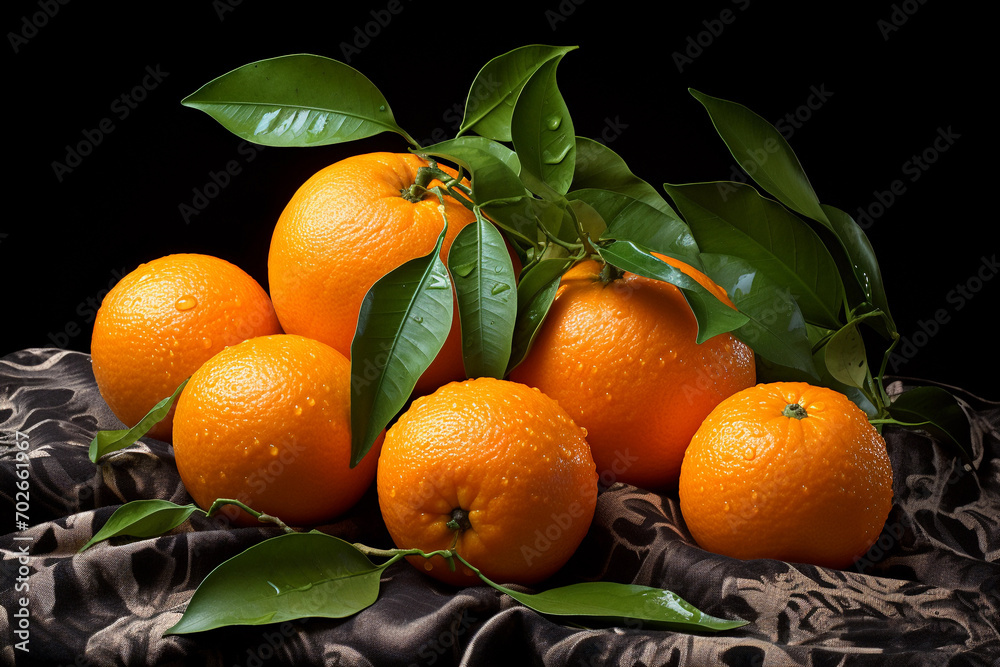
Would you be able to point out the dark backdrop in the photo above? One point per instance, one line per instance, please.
(859, 94)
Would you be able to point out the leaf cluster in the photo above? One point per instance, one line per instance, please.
(809, 295)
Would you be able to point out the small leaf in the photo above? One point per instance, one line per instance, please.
(600, 168)
(296, 100)
(612, 601)
(733, 219)
(846, 358)
(487, 298)
(404, 320)
(490, 103)
(764, 154)
(714, 317)
(776, 330)
(143, 518)
(106, 442)
(543, 135)
(535, 292)
(292, 576)
(936, 411)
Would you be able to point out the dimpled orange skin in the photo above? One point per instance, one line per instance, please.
(346, 227)
(268, 422)
(509, 456)
(758, 484)
(163, 320)
(622, 360)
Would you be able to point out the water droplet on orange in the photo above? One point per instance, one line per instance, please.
(186, 303)
(749, 453)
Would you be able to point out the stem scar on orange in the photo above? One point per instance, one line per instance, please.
(621, 357)
(790, 471)
(494, 469)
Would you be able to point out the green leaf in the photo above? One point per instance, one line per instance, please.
(490, 103)
(714, 317)
(292, 576)
(296, 100)
(143, 518)
(535, 292)
(776, 330)
(864, 265)
(846, 358)
(600, 168)
(764, 154)
(612, 601)
(733, 219)
(487, 298)
(633, 220)
(542, 132)
(404, 320)
(495, 183)
(936, 411)
(106, 442)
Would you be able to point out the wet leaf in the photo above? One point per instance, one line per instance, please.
(846, 358)
(404, 320)
(292, 576)
(490, 103)
(296, 100)
(487, 298)
(543, 135)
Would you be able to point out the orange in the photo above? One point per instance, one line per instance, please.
(789, 471)
(501, 463)
(343, 229)
(268, 422)
(164, 320)
(621, 359)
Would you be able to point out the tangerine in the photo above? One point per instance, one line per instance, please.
(268, 422)
(163, 320)
(343, 229)
(493, 469)
(790, 471)
(621, 357)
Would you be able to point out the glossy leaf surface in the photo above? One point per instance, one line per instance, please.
(296, 100)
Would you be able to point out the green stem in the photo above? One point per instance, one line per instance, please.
(260, 516)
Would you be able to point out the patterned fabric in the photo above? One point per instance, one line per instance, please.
(925, 594)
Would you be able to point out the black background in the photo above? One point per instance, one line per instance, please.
(894, 76)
